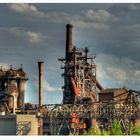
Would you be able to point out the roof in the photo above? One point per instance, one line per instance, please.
(111, 90)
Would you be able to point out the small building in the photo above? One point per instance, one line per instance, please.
(23, 124)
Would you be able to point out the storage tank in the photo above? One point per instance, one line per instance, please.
(11, 73)
(21, 89)
(13, 94)
(21, 73)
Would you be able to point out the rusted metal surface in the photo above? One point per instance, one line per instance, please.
(13, 94)
(68, 39)
(12, 87)
(40, 69)
(100, 87)
(125, 113)
(80, 67)
(21, 88)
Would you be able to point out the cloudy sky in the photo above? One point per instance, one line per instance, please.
(33, 32)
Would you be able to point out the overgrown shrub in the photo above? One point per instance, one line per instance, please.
(136, 130)
(115, 128)
(93, 131)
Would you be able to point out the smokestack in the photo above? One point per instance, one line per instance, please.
(68, 39)
(40, 69)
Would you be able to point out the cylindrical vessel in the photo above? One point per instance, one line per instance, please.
(13, 94)
(40, 69)
(21, 89)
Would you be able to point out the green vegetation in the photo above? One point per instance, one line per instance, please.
(136, 130)
(93, 131)
(115, 129)
(104, 133)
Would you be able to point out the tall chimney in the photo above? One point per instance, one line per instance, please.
(68, 39)
(40, 69)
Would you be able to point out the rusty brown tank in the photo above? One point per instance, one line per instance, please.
(12, 83)
(13, 94)
(21, 89)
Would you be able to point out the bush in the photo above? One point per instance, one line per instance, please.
(93, 131)
(104, 133)
(136, 130)
(115, 128)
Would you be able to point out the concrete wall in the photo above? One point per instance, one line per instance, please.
(27, 125)
(18, 125)
(7, 125)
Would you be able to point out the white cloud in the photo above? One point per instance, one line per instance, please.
(100, 19)
(118, 73)
(20, 35)
(26, 9)
(101, 16)
(32, 12)
(88, 16)
(137, 73)
(109, 75)
(50, 88)
(34, 37)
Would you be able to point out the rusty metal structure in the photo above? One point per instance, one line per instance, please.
(12, 88)
(79, 73)
(82, 107)
(40, 69)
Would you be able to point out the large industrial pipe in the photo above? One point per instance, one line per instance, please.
(68, 39)
(40, 69)
(100, 87)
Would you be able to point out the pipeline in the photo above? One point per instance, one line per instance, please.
(74, 87)
(76, 91)
(100, 87)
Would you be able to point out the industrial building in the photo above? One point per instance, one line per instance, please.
(83, 105)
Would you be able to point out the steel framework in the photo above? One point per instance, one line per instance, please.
(59, 116)
(82, 69)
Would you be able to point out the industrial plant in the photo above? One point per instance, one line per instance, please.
(86, 103)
